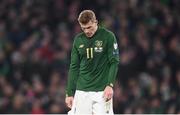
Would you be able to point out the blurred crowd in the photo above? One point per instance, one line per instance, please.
(35, 44)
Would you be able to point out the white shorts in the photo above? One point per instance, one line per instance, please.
(90, 103)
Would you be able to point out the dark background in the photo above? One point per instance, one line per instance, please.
(35, 43)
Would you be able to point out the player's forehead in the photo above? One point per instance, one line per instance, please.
(89, 24)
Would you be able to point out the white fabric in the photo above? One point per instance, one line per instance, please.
(90, 103)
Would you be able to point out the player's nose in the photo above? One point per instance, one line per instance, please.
(86, 31)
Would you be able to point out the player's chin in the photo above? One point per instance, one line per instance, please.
(89, 35)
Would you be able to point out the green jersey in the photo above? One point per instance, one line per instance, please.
(94, 62)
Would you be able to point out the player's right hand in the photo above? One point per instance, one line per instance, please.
(69, 101)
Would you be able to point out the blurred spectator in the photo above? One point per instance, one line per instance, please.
(55, 109)
(4, 65)
(37, 107)
(18, 105)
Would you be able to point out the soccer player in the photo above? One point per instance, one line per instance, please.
(93, 68)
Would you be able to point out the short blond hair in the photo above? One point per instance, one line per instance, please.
(85, 16)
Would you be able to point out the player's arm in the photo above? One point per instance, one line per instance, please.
(113, 58)
(73, 71)
(72, 76)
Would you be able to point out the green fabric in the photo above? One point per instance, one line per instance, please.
(94, 62)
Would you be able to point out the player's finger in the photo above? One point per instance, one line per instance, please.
(109, 96)
(69, 105)
(106, 98)
(104, 95)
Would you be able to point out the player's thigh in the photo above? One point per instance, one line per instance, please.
(101, 107)
(82, 103)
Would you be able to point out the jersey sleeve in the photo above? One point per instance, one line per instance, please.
(73, 71)
(113, 57)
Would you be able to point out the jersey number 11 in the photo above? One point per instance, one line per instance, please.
(89, 52)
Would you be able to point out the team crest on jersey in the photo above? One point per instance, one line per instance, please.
(98, 46)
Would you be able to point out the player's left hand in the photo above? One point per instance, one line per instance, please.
(108, 93)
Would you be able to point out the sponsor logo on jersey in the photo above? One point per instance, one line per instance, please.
(98, 46)
(81, 46)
